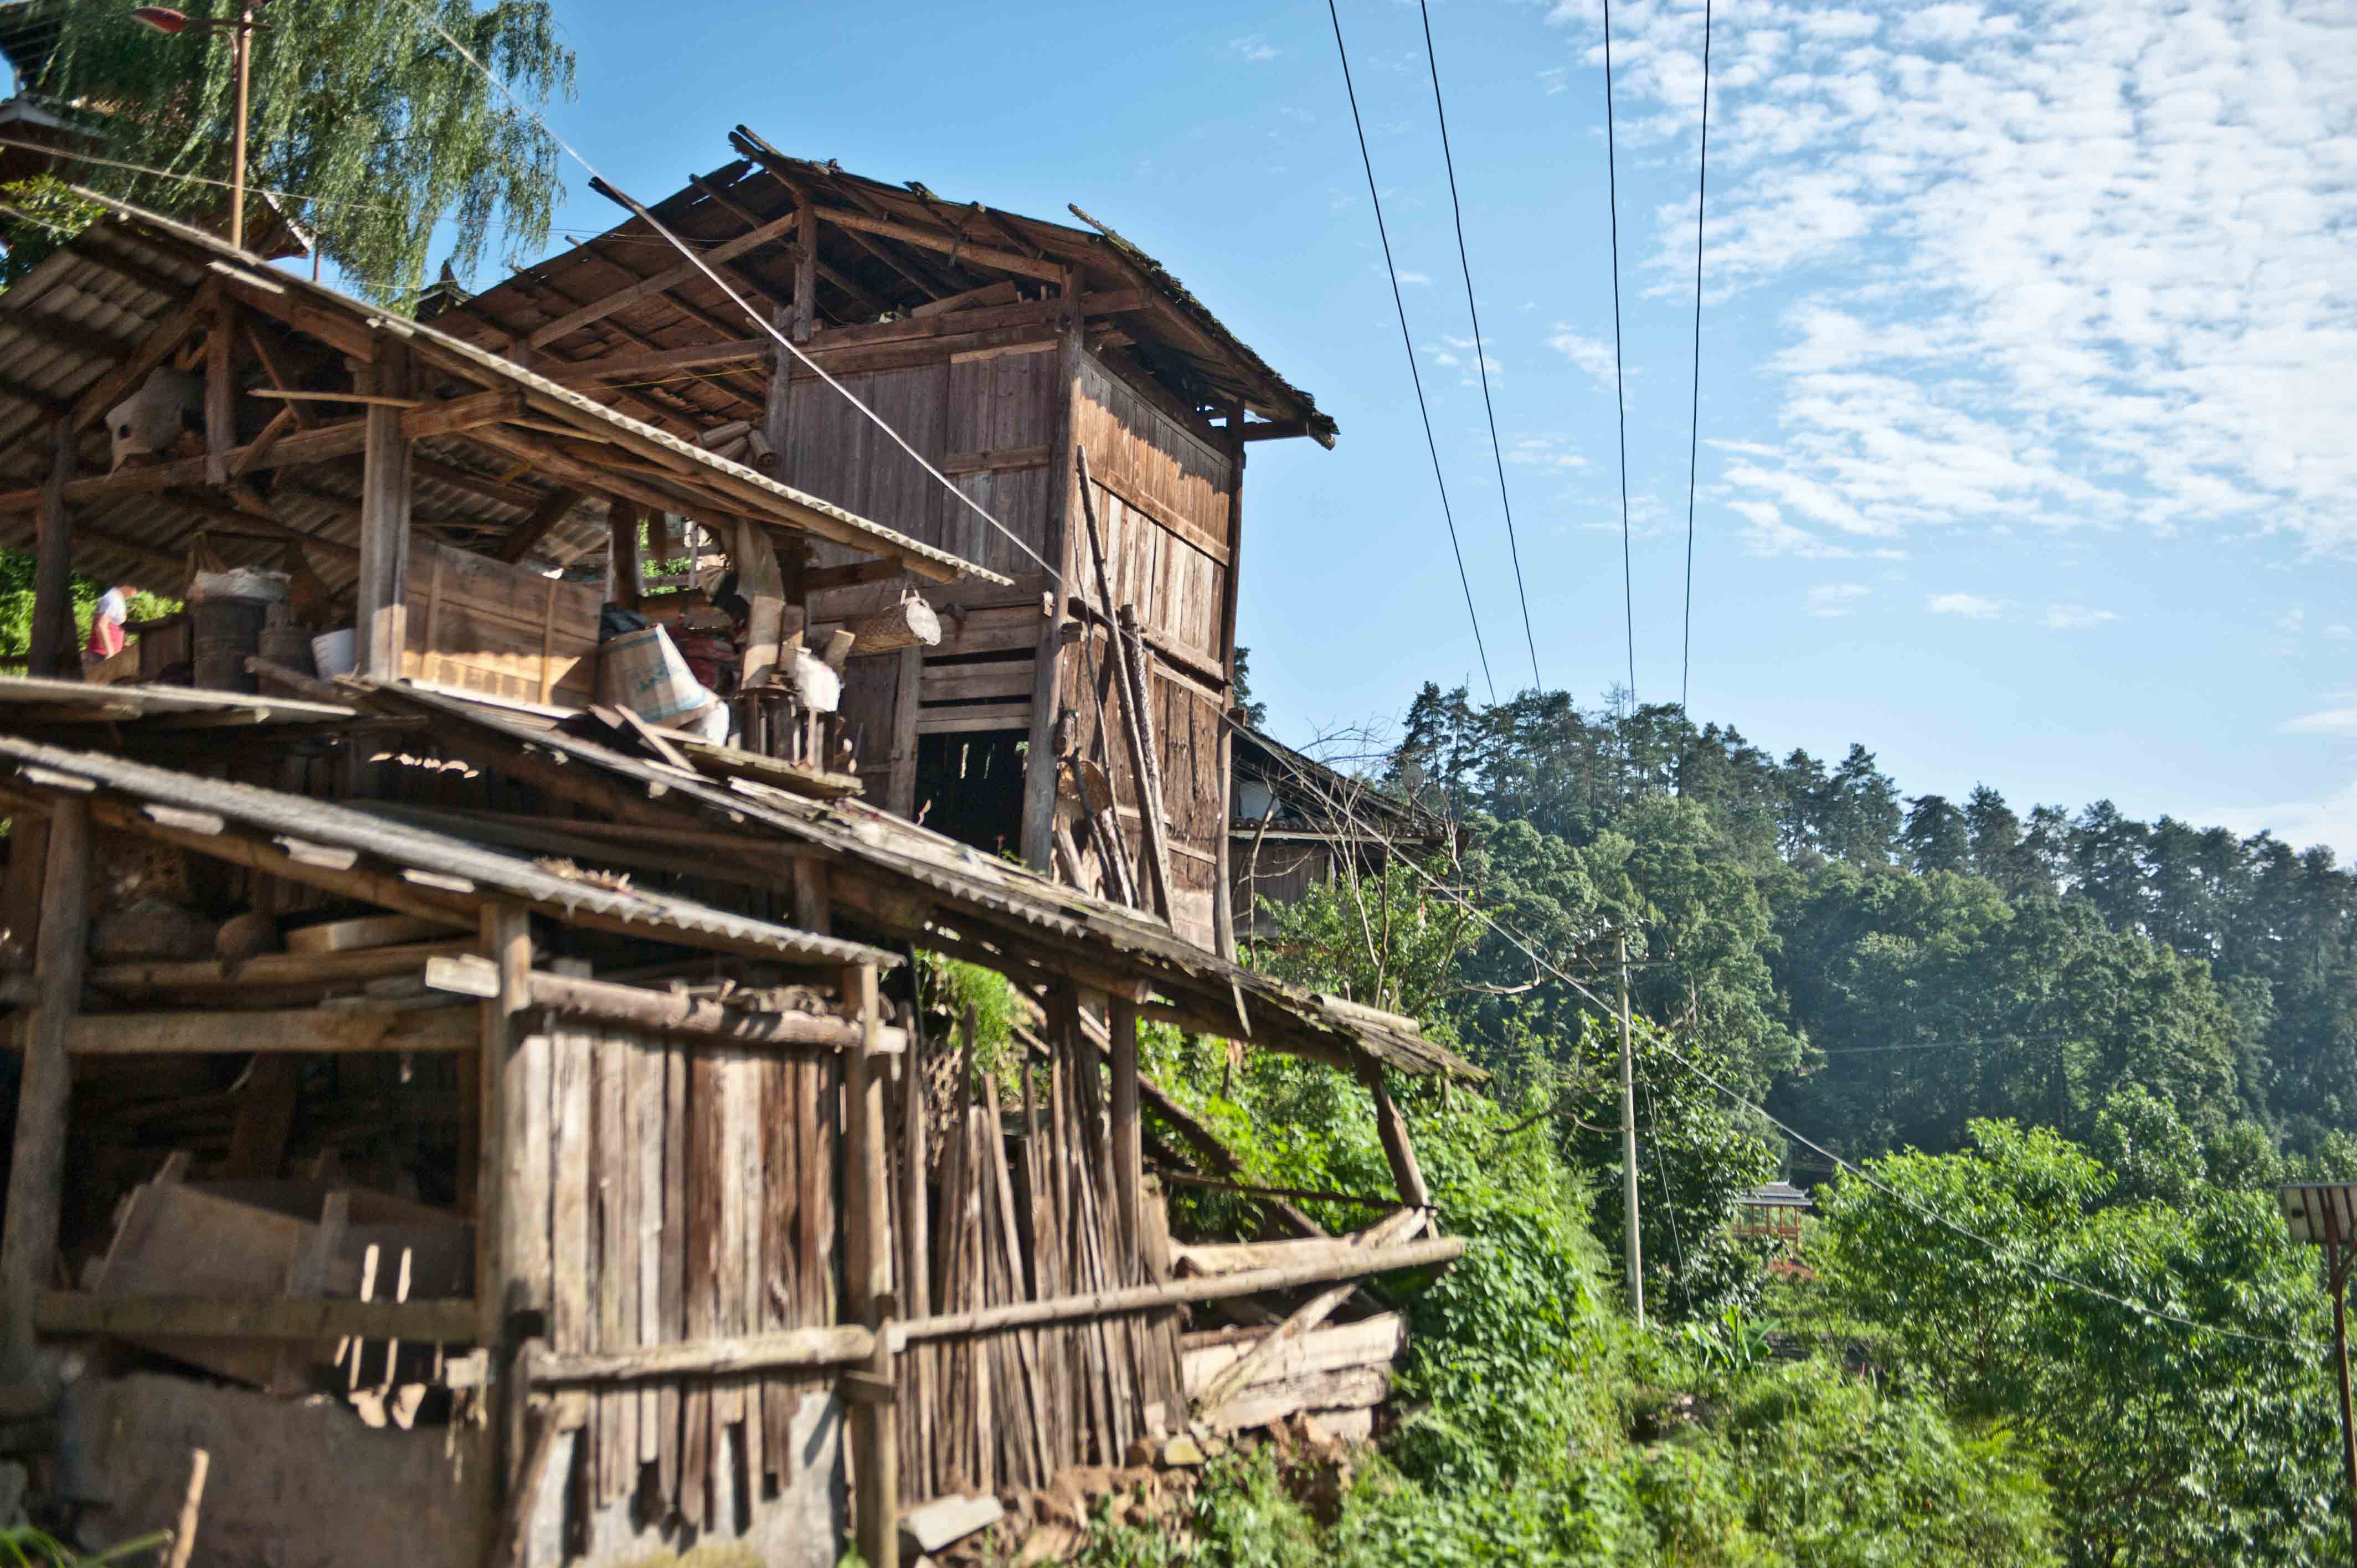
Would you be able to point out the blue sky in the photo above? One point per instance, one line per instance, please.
(2028, 414)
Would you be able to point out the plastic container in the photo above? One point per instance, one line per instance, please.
(335, 653)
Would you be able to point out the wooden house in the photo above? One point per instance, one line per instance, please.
(998, 346)
(1298, 824)
(543, 1153)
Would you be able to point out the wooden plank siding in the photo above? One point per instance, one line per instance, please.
(1162, 490)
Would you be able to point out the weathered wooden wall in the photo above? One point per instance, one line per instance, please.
(690, 1194)
(1163, 495)
(1163, 489)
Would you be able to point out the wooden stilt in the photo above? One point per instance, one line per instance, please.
(37, 1178)
(1128, 1167)
(51, 650)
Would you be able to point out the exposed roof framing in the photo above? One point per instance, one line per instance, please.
(882, 252)
(499, 446)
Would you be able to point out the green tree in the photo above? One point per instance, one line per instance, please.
(1936, 835)
(2163, 1444)
(363, 111)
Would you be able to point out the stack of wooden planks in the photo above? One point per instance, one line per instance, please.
(1023, 1218)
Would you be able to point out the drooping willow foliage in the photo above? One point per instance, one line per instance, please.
(358, 106)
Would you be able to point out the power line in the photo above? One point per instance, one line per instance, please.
(193, 178)
(1480, 348)
(1390, 271)
(1619, 391)
(1693, 426)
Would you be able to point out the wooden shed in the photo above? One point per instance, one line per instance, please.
(481, 1119)
(1001, 348)
(1299, 824)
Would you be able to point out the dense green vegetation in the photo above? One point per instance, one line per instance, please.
(2051, 1314)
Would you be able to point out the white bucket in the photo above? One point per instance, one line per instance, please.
(335, 653)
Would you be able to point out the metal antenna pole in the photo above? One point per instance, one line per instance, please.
(237, 163)
(1635, 1248)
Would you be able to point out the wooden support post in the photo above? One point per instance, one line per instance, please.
(37, 1178)
(1633, 1246)
(1128, 1167)
(511, 1218)
(900, 783)
(1146, 747)
(385, 489)
(868, 1275)
(622, 542)
(1040, 761)
(1224, 904)
(511, 1173)
(1407, 1175)
(221, 391)
(1136, 725)
(52, 651)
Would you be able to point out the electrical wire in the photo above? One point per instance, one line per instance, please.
(1668, 1208)
(1661, 1042)
(1480, 347)
(1693, 426)
(1376, 832)
(1619, 390)
(193, 178)
(1415, 376)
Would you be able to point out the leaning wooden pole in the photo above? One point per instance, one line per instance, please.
(1135, 724)
(37, 1177)
(1633, 1249)
(867, 1280)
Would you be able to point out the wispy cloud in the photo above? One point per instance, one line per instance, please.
(1830, 600)
(1253, 48)
(2327, 721)
(1586, 353)
(1972, 607)
(2074, 618)
(2061, 266)
(1412, 280)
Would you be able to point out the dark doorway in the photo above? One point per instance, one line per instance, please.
(970, 786)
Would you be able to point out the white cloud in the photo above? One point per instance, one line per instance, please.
(2339, 631)
(1412, 280)
(2291, 621)
(2074, 618)
(1830, 600)
(1253, 48)
(1972, 607)
(1460, 351)
(1586, 353)
(2073, 262)
(2328, 820)
(2327, 721)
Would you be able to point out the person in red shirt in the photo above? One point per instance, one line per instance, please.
(106, 624)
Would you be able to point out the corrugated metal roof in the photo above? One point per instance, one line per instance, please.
(85, 309)
(31, 767)
(974, 889)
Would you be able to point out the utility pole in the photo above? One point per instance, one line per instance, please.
(1635, 1249)
(2325, 1214)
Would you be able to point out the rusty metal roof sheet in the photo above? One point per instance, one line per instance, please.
(166, 803)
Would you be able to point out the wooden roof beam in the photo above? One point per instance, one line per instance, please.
(875, 304)
(950, 243)
(648, 286)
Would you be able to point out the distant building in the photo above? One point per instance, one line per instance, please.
(1298, 824)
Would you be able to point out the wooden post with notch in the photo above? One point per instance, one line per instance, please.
(385, 489)
(37, 1176)
(868, 1277)
(512, 1259)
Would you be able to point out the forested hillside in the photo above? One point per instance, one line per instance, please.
(2046, 1311)
(1883, 968)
